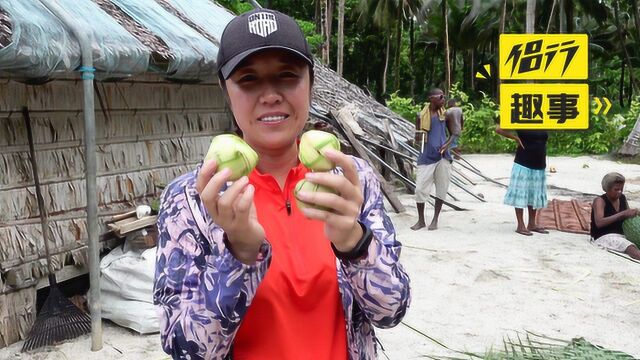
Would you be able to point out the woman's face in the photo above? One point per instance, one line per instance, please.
(269, 95)
(615, 191)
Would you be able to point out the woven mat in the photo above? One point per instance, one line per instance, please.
(572, 216)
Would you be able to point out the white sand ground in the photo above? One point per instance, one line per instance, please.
(475, 280)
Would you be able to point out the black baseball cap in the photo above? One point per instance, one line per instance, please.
(257, 30)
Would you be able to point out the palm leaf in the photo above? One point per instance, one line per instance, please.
(531, 346)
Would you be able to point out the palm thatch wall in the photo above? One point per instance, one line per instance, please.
(149, 132)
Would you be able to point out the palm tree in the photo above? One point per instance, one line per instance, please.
(387, 15)
(340, 37)
(447, 58)
(531, 16)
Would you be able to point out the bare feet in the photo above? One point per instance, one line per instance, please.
(539, 229)
(524, 231)
(433, 226)
(419, 225)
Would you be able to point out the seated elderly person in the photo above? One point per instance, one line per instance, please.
(608, 212)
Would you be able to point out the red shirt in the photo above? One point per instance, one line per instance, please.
(297, 311)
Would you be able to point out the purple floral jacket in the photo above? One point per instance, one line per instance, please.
(203, 292)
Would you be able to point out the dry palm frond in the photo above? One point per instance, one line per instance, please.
(530, 346)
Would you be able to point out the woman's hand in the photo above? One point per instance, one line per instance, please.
(341, 221)
(233, 210)
(629, 213)
(519, 142)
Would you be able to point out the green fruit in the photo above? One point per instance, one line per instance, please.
(308, 186)
(631, 229)
(312, 145)
(231, 152)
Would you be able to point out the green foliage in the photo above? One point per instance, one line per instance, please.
(479, 134)
(605, 134)
(236, 6)
(403, 107)
(314, 39)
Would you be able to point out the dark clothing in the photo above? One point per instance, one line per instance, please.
(436, 137)
(609, 210)
(534, 154)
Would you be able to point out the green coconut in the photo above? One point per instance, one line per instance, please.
(313, 143)
(631, 229)
(308, 186)
(230, 151)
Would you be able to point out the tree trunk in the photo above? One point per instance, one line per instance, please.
(472, 66)
(396, 80)
(568, 8)
(447, 63)
(553, 11)
(318, 17)
(340, 36)
(433, 69)
(562, 14)
(329, 29)
(616, 10)
(636, 19)
(412, 59)
(503, 17)
(323, 28)
(386, 66)
(621, 91)
(531, 17)
(453, 62)
(326, 10)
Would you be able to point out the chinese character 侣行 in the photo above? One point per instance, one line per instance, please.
(563, 107)
(532, 59)
(526, 109)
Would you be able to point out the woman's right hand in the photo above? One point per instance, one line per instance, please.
(629, 213)
(233, 210)
(519, 143)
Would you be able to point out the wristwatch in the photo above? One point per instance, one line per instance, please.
(361, 247)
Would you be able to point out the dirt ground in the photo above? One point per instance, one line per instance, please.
(475, 281)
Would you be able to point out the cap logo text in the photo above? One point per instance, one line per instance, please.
(262, 23)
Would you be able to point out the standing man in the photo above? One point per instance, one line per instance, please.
(434, 162)
(454, 114)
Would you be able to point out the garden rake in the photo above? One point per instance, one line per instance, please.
(59, 319)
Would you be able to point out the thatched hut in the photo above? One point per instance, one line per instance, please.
(157, 107)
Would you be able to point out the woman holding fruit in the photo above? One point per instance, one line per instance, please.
(244, 272)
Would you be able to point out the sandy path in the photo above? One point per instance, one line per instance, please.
(475, 281)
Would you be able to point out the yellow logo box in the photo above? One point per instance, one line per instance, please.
(544, 57)
(544, 106)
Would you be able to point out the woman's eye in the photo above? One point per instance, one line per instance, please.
(289, 75)
(247, 78)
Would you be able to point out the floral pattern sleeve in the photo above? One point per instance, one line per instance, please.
(378, 282)
(202, 291)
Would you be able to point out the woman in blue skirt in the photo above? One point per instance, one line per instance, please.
(528, 185)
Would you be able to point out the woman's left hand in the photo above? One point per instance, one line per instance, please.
(341, 220)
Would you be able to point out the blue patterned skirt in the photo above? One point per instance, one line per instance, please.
(528, 187)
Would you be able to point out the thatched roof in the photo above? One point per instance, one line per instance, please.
(332, 92)
(174, 38)
(177, 38)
